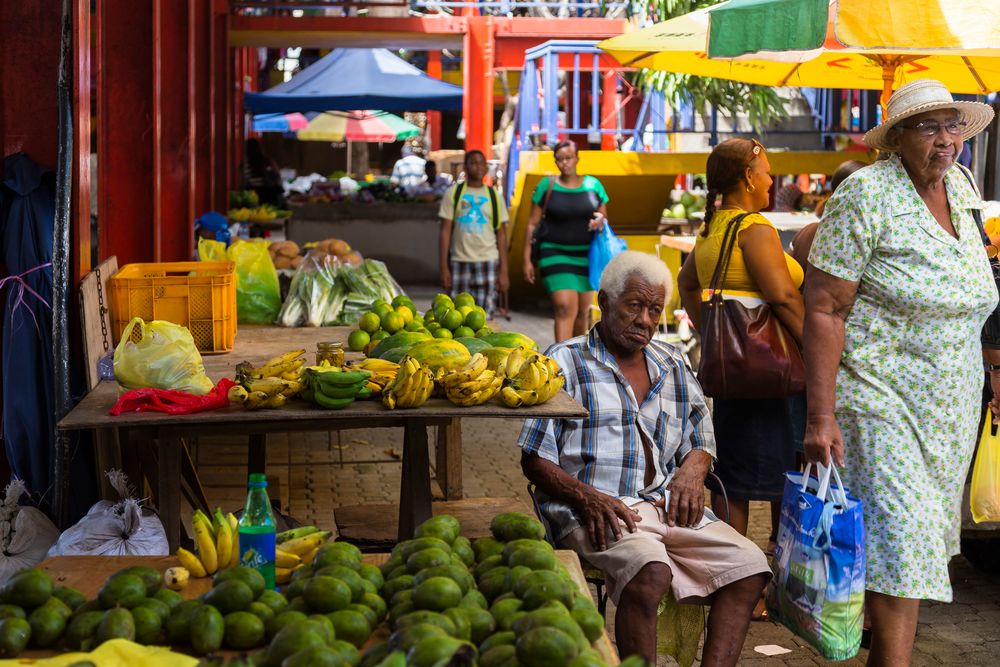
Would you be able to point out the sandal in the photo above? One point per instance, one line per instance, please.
(759, 612)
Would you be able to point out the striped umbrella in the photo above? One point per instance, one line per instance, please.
(357, 126)
(279, 122)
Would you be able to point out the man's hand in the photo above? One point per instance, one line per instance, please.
(823, 440)
(446, 279)
(599, 511)
(687, 490)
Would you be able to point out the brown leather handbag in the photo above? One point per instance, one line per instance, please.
(745, 352)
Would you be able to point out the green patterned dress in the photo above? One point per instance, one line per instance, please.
(909, 385)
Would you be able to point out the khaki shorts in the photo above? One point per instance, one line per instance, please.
(702, 560)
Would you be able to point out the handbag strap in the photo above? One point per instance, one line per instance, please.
(725, 254)
(977, 214)
(548, 196)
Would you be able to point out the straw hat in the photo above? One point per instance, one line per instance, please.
(924, 95)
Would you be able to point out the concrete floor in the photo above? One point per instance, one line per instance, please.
(323, 471)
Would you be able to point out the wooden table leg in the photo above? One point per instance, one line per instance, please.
(415, 485)
(257, 453)
(170, 488)
(448, 456)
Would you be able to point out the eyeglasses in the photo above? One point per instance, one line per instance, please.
(757, 149)
(930, 128)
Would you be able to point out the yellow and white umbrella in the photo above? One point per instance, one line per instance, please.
(870, 44)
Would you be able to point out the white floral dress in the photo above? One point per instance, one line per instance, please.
(910, 380)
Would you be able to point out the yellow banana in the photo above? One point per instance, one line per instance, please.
(268, 385)
(553, 366)
(484, 380)
(389, 399)
(283, 358)
(255, 400)
(514, 362)
(278, 369)
(176, 578)
(510, 397)
(224, 547)
(282, 575)
(528, 396)
(308, 557)
(237, 394)
(304, 545)
(293, 388)
(377, 365)
(204, 518)
(551, 388)
(285, 559)
(295, 375)
(234, 527)
(476, 366)
(479, 397)
(275, 401)
(206, 547)
(191, 563)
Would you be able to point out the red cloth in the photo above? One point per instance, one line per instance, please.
(172, 401)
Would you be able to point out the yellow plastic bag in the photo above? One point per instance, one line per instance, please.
(258, 295)
(114, 653)
(212, 251)
(984, 496)
(165, 357)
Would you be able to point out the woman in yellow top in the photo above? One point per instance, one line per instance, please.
(756, 439)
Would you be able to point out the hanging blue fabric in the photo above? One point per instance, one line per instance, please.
(603, 248)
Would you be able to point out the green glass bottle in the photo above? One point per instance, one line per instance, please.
(257, 530)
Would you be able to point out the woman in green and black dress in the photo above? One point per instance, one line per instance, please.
(570, 208)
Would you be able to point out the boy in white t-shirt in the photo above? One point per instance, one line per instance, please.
(473, 239)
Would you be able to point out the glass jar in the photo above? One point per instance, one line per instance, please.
(331, 352)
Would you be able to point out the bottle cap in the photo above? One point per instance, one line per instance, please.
(258, 479)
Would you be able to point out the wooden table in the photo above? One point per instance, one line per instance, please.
(88, 573)
(415, 485)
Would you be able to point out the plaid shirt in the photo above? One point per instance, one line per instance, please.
(605, 450)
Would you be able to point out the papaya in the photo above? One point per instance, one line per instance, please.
(511, 526)
(440, 353)
(472, 344)
(395, 355)
(398, 339)
(545, 646)
(443, 526)
(509, 339)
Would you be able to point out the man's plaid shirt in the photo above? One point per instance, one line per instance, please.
(605, 450)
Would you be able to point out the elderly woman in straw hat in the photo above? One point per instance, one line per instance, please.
(895, 303)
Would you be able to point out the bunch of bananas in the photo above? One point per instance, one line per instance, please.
(530, 380)
(271, 384)
(473, 384)
(296, 548)
(218, 542)
(383, 373)
(334, 388)
(413, 385)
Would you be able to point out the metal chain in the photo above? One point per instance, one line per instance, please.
(102, 309)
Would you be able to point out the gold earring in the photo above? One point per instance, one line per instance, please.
(751, 188)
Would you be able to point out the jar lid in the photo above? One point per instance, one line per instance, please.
(328, 345)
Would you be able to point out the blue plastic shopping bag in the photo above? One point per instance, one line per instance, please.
(603, 248)
(818, 590)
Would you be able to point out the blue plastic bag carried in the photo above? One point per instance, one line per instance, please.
(603, 248)
(818, 590)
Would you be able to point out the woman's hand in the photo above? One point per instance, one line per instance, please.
(596, 223)
(529, 272)
(995, 401)
(823, 440)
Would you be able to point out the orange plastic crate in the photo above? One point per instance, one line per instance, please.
(198, 295)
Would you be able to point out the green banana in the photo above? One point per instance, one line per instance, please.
(364, 392)
(325, 401)
(336, 391)
(343, 379)
(295, 533)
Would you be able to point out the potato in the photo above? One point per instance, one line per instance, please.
(295, 261)
(338, 247)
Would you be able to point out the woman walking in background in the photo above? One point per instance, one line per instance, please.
(569, 208)
(755, 438)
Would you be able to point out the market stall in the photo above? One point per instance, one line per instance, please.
(139, 430)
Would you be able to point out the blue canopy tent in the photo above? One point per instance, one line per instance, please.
(348, 79)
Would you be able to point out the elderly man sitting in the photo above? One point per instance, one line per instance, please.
(624, 488)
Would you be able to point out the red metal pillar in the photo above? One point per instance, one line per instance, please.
(221, 85)
(199, 105)
(124, 131)
(172, 211)
(609, 108)
(477, 105)
(434, 117)
(80, 212)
